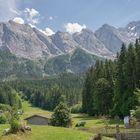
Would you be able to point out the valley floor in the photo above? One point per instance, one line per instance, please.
(54, 133)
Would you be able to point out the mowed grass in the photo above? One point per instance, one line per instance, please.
(57, 133)
(48, 133)
(92, 122)
(51, 133)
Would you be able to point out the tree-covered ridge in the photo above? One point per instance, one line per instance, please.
(109, 86)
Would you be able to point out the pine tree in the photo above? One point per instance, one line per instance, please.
(87, 95)
(137, 61)
(102, 97)
(61, 116)
(120, 82)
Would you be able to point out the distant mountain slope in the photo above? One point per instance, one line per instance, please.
(12, 67)
(74, 62)
(113, 37)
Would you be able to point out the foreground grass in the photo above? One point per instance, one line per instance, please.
(57, 133)
(50, 133)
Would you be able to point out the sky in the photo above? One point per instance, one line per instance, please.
(70, 15)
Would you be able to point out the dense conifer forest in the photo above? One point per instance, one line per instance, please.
(110, 86)
(48, 93)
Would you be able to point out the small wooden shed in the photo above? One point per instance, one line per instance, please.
(38, 120)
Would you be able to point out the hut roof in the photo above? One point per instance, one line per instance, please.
(46, 117)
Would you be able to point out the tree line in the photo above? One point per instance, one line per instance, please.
(47, 93)
(109, 87)
(9, 96)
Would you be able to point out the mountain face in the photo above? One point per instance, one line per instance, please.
(64, 41)
(110, 37)
(21, 40)
(89, 42)
(75, 62)
(33, 54)
(113, 37)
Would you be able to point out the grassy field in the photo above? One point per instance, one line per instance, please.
(95, 122)
(50, 133)
(29, 110)
(53, 133)
(99, 125)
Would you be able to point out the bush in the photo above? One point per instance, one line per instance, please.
(15, 126)
(137, 113)
(80, 124)
(76, 108)
(3, 119)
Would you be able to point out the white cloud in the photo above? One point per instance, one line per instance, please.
(74, 27)
(32, 12)
(8, 9)
(32, 16)
(18, 20)
(47, 31)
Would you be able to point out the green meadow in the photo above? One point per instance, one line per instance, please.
(53, 133)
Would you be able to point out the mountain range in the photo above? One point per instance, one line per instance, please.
(27, 52)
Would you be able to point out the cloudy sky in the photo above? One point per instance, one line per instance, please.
(70, 15)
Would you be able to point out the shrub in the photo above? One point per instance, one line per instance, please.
(3, 119)
(80, 124)
(137, 113)
(15, 126)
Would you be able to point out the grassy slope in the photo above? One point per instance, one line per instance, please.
(50, 133)
(54, 133)
(47, 132)
(29, 110)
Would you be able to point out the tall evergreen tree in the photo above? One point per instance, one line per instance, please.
(120, 82)
(137, 61)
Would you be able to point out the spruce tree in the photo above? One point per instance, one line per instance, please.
(61, 116)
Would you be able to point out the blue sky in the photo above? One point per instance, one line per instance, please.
(56, 14)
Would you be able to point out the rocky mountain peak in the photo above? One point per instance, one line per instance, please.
(63, 51)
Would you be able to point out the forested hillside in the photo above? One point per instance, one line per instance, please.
(48, 93)
(109, 86)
